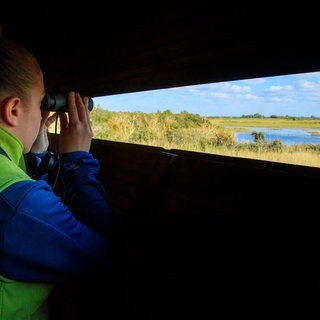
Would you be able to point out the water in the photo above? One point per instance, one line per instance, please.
(287, 136)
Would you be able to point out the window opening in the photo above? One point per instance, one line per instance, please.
(272, 118)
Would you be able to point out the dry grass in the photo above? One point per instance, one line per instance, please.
(195, 133)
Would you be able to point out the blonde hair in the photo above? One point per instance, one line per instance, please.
(18, 69)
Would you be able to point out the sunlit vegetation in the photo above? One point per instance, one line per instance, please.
(205, 134)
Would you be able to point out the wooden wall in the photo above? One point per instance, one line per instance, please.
(199, 235)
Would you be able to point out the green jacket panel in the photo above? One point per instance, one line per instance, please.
(23, 300)
(18, 300)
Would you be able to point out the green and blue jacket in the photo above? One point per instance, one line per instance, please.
(41, 241)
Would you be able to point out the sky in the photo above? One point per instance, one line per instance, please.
(292, 95)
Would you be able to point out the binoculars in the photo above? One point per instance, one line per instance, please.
(57, 102)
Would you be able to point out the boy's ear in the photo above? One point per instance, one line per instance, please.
(11, 111)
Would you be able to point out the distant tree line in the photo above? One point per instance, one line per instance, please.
(287, 117)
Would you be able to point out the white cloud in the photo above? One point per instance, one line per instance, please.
(307, 85)
(279, 88)
(281, 99)
(239, 89)
(247, 96)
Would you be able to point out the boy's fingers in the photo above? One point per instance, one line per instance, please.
(72, 108)
(81, 107)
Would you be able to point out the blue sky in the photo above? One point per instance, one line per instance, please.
(293, 95)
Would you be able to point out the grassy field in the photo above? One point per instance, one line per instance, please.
(192, 132)
(267, 122)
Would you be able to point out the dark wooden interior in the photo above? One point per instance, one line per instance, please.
(196, 236)
(200, 236)
(109, 48)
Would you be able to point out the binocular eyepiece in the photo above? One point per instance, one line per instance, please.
(57, 102)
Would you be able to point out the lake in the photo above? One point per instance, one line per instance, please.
(287, 136)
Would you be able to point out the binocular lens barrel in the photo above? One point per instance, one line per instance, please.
(57, 102)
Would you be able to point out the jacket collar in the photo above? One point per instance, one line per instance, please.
(13, 148)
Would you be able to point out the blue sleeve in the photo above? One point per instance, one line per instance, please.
(84, 194)
(80, 188)
(34, 169)
(43, 241)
